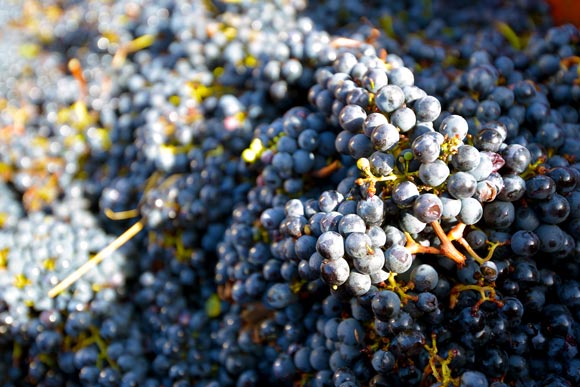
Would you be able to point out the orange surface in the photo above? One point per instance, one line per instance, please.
(565, 11)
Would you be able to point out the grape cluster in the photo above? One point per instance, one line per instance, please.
(327, 193)
(37, 252)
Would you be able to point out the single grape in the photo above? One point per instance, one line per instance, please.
(553, 210)
(461, 185)
(398, 259)
(471, 211)
(552, 238)
(427, 109)
(360, 146)
(371, 210)
(403, 119)
(426, 148)
(428, 208)
(386, 304)
(517, 158)
(358, 245)
(466, 158)
(525, 243)
(424, 277)
(499, 214)
(382, 164)
(371, 263)
(375, 79)
(389, 98)
(351, 223)
(405, 193)
(358, 283)
(334, 272)
(401, 76)
(454, 126)
(540, 187)
(352, 118)
(434, 174)
(514, 188)
(330, 245)
(384, 137)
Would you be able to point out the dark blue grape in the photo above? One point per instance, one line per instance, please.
(377, 235)
(384, 137)
(434, 174)
(499, 214)
(279, 296)
(351, 223)
(471, 211)
(466, 158)
(427, 208)
(357, 245)
(461, 185)
(386, 305)
(350, 332)
(565, 178)
(424, 277)
(371, 263)
(473, 379)
(426, 148)
(398, 259)
(540, 187)
(454, 126)
(402, 77)
(371, 210)
(358, 283)
(427, 109)
(389, 98)
(550, 135)
(382, 164)
(517, 157)
(283, 367)
(341, 142)
(405, 193)
(553, 210)
(383, 361)
(352, 118)
(360, 146)
(374, 80)
(514, 188)
(407, 343)
(404, 119)
(335, 272)
(525, 243)
(551, 236)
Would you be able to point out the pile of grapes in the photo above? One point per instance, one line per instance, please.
(329, 193)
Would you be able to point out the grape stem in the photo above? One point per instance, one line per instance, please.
(391, 284)
(438, 366)
(75, 68)
(121, 215)
(94, 261)
(487, 293)
(327, 170)
(446, 248)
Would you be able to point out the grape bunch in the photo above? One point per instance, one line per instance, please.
(333, 193)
